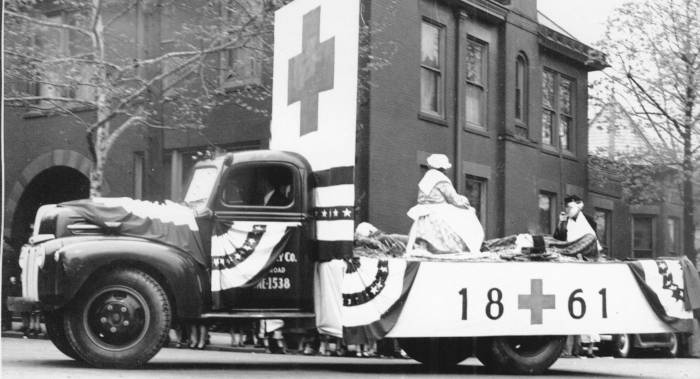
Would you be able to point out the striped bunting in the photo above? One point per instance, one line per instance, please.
(243, 252)
(374, 292)
(663, 285)
(334, 212)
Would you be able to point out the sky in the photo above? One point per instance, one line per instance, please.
(584, 19)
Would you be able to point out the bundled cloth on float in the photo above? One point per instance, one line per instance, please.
(168, 223)
(360, 299)
(671, 287)
(521, 247)
(242, 252)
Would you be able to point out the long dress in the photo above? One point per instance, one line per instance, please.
(443, 220)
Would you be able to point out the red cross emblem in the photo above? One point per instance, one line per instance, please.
(311, 71)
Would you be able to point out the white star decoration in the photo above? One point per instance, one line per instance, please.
(324, 213)
(346, 212)
(383, 269)
(374, 290)
(335, 213)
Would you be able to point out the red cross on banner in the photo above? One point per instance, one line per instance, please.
(311, 71)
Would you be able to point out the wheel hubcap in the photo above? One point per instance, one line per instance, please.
(116, 318)
(622, 343)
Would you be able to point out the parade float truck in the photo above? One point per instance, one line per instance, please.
(114, 275)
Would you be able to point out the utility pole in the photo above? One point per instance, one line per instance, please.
(148, 13)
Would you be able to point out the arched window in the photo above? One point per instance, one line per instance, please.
(521, 91)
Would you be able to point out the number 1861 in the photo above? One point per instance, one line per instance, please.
(494, 308)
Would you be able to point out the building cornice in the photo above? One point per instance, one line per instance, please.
(556, 42)
(486, 8)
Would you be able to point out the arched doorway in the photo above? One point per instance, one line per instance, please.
(51, 186)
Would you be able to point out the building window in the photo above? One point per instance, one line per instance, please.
(64, 79)
(548, 107)
(476, 78)
(242, 66)
(565, 113)
(475, 190)
(603, 219)
(431, 78)
(674, 236)
(643, 236)
(558, 110)
(547, 207)
(521, 94)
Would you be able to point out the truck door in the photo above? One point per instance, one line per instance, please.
(262, 196)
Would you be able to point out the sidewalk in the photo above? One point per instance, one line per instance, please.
(217, 341)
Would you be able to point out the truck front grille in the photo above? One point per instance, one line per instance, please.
(31, 259)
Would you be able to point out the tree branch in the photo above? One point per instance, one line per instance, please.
(28, 99)
(47, 23)
(120, 14)
(655, 103)
(121, 129)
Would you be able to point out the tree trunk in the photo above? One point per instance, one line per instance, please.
(97, 171)
(688, 200)
(149, 47)
(688, 195)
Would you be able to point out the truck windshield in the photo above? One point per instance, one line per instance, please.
(201, 186)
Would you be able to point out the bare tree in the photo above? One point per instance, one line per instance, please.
(63, 56)
(654, 50)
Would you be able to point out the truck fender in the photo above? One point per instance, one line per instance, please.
(185, 280)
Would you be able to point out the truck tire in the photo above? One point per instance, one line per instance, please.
(522, 355)
(672, 351)
(54, 330)
(623, 346)
(438, 353)
(121, 320)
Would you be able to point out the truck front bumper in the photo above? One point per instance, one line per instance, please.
(22, 304)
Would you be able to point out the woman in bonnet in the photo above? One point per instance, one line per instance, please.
(444, 222)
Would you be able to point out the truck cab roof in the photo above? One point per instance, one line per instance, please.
(250, 156)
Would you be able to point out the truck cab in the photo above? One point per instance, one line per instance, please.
(260, 186)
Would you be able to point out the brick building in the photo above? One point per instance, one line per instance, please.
(486, 82)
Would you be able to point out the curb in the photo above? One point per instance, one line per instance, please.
(19, 335)
(230, 349)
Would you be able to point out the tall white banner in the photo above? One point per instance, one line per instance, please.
(314, 105)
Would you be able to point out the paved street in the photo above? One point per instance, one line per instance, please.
(39, 359)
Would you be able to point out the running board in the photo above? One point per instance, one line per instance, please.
(260, 315)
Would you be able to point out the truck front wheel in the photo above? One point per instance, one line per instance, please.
(57, 335)
(438, 353)
(520, 354)
(121, 320)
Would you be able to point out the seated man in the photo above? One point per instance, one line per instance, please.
(277, 188)
(573, 224)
